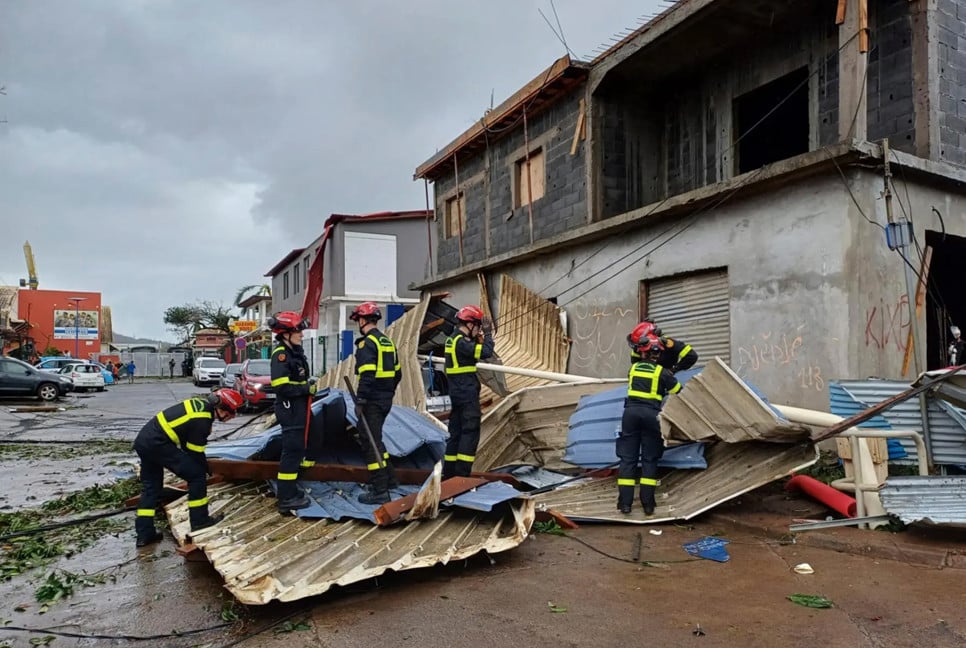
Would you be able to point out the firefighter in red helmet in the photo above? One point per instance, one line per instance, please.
(175, 439)
(377, 365)
(471, 342)
(293, 388)
(640, 445)
(676, 356)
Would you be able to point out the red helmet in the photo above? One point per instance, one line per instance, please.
(287, 322)
(366, 311)
(470, 313)
(655, 330)
(650, 345)
(640, 333)
(227, 399)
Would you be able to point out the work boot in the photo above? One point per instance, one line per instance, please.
(293, 504)
(647, 500)
(207, 521)
(148, 538)
(373, 496)
(623, 507)
(392, 481)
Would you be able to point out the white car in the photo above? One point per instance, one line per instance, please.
(84, 376)
(208, 371)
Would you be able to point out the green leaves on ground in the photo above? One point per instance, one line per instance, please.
(550, 526)
(556, 609)
(810, 600)
(289, 626)
(60, 584)
(94, 498)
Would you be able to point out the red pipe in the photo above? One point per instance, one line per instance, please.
(835, 500)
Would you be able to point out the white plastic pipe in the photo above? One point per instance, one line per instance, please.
(521, 371)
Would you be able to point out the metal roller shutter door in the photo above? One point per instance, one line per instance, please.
(695, 309)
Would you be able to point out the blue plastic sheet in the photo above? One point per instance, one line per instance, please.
(709, 548)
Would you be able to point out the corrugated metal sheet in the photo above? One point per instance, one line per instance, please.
(264, 556)
(939, 500)
(947, 436)
(733, 469)
(717, 404)
(696, 309)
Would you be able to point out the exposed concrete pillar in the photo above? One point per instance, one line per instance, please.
(925, 77)
(853, 73)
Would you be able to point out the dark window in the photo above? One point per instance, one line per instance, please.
(771, 122)
(285, 286)
(305, 269)
(296, 277)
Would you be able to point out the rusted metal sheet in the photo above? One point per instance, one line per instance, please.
(432, 493)
(717, 405)
(264, 556)
(733, 469)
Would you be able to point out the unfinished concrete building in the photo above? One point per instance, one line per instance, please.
(721, 169)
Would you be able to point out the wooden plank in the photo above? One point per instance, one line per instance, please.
(579, 130)
(231, 470)
(171, 492)
(393, 511)
(840, 12)
(920, 303)
(429, 326)
(863, 26)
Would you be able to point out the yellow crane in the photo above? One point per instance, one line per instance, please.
(31, 268)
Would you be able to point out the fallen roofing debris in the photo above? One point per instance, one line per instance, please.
(936, 499)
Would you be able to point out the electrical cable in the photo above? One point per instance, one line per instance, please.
(121, 637)
(626, 560)
(269, 626)
(66, 523)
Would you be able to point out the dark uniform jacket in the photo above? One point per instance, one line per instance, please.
(462, 354)
(677, 355)
(377, 365)
(648, 384)
(187, 425)
(290, 372)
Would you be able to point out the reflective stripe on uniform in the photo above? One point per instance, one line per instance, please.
(626, 482)
(145, 512)
(675, 389)
(288, 476)
(190, 413)
(449, 457)
(385, 455)
(641, 371)
(384, 346)
(277, 349)
(453, 366)
(198, 502)
(194, 447)
(685, 351)
(374, 466)
(307, 463)
(647, 481)
(285, 380)
(463, 457)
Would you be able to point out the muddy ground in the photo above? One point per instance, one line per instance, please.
(551, 591)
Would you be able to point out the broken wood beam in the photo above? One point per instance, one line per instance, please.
(562, 520)
(920, 303)
(232, 470)
(393, 511)
(863, 416)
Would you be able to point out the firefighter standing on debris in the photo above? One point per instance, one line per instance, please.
(377, 365)
(640, 446)
(471, 342)
(175, 439)
(293, 394)
(677, 355)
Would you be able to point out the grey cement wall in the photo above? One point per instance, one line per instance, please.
(950, 28)
(294, 300)
(493, 226)
(412, 251)
(890, 108)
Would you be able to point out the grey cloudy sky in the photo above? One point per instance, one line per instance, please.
(165, 151)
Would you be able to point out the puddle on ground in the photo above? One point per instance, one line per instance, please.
(29, 482)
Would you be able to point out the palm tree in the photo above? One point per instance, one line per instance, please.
(250, 291)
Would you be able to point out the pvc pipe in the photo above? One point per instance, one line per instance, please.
(521, 371)
(835, 500)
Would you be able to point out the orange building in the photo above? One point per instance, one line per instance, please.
(55, 321)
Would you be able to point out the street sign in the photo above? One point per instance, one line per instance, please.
(240, 343)
(243, 326)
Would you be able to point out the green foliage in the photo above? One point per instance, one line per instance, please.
(811, 600)
(827, 469)
(550, 526)
(94, 498)
(52, 351)
(288, 626)
(60, 585)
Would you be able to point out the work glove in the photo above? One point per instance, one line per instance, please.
(487, 326)
(314, 387)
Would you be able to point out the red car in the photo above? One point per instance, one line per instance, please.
(253, 382)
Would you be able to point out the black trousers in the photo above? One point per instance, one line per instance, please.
(639, 448)
(464, 437)
(291, 415)
(375, 413)
(155, 457)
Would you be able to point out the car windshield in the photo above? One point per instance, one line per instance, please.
(260, 367)
(211, 363)
(232, 368)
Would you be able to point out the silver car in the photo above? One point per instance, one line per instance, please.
(231, 373)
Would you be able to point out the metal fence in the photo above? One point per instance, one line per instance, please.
(149, 364)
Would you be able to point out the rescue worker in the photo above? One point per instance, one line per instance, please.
(677, 355)
(471, 342)
(175, 439)
(640, 446)
(293, 394)
(377, 365)
(957, 348)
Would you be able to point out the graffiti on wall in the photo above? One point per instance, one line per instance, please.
(599, 332)
(887, 324)
(779, 353)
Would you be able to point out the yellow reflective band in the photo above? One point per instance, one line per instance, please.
(168, 429)
(385, 455)
(449, 457)
(478, 351)
(675, 389)
(374, 466)
(452, 362)
(307, 464)
(145, 512)
(198, 502)
(288, 476)
(194, 447)
(463, 457)
(277, 349)
(626, 482)
(384, 347)
(361, 369)
(280, 381)
(684, 352)
(643, 381)
(647, 481)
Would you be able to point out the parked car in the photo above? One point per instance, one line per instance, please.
(55, 363)
(108, 376)
(254, 382)
(208, 371)
(84, 376)
(17, 378)
(231, 373)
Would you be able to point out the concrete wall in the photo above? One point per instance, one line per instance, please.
(890, 108)
(493, 226)
(412, 252)
(950, 28)
(294, 300)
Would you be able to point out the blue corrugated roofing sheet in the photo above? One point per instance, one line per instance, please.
(485, 497)
(843, 403)
(338, 500)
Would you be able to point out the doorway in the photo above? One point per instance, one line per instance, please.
(945, 298)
